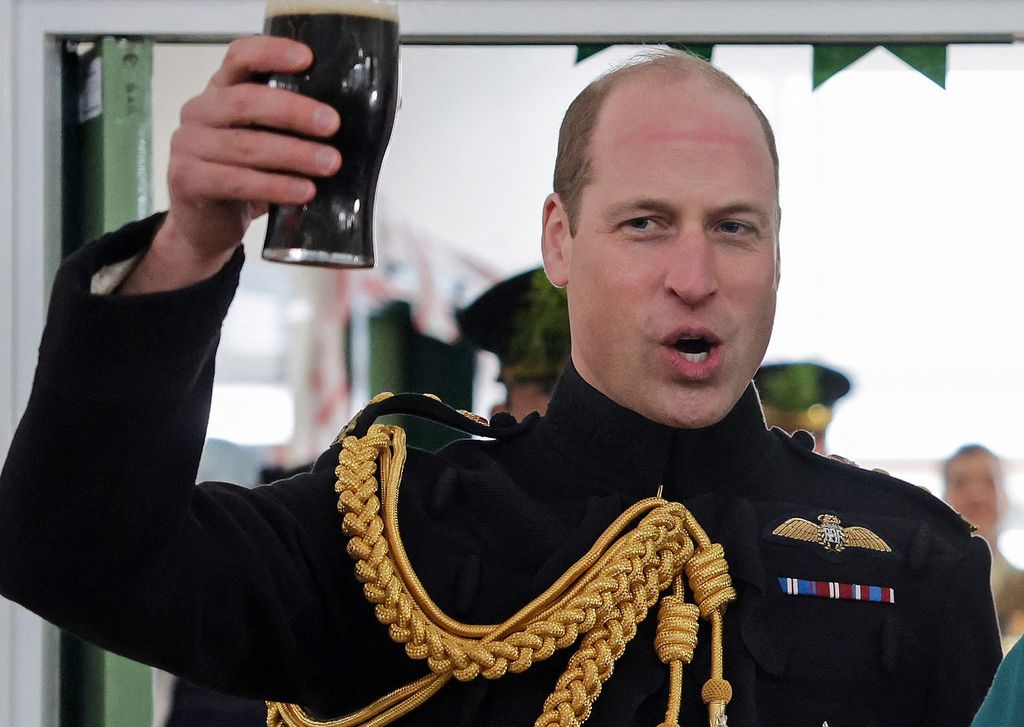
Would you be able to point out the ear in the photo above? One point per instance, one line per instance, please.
(778, 247)
(556, 241)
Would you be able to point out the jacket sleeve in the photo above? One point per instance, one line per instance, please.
(965, 650)
(103, 532)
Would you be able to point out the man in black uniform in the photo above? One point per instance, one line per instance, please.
(848, 597)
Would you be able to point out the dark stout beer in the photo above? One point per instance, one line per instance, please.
(355, 70)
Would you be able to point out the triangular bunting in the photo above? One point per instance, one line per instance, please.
(585, 50)
(928, 60)
(704, 51)
(830, 59)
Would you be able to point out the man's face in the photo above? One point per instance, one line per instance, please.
(673, 270)
(974, 489)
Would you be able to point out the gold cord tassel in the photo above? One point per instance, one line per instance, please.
(708, 576)
(675, 640)
(601, 598)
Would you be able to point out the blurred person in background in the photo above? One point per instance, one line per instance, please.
(974, 486)
(800, 396)
(524, 321)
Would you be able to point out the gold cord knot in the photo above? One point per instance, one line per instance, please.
(676, 635)
(708, 575)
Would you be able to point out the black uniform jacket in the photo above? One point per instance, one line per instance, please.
(103, 533)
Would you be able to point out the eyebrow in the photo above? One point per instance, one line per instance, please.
(640, 205)
(654, 205)
(746, 208)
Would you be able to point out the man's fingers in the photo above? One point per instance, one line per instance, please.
(250, 104)
(259, 54)
(262, 150)
(229, 158)
(196, 183)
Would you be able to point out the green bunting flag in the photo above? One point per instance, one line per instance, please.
(704, 51)
(830, 59)
(929, 60)
(585, 50)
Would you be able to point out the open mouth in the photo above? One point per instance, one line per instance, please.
(694, 350)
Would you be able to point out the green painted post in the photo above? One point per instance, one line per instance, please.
(127, 691)
(107, 179)
(115, 117)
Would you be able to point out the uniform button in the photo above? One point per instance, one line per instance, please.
(804, 439)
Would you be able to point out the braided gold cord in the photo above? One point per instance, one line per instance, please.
(602, 598)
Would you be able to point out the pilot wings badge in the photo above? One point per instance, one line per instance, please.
(830, 534)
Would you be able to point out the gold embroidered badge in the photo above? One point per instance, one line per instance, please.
(830, 534)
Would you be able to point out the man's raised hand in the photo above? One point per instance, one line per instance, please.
(236, 151)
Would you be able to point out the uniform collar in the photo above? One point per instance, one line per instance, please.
(619, 449)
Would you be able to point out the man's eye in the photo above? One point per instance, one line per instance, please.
(734, 228)
(640, 223)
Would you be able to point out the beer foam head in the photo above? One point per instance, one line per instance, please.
(368, 8)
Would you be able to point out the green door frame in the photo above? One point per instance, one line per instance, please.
(107, 182)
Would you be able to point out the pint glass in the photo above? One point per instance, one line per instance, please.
(355, 70)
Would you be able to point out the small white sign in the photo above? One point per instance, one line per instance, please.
(90, 101)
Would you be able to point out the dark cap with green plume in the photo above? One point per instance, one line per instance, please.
(800, 394)
(525, 321)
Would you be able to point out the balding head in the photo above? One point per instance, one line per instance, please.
(573, 164)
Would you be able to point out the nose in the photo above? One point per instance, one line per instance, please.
(690, 273)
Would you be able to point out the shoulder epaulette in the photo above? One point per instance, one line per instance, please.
(431, 408)
(921, 496)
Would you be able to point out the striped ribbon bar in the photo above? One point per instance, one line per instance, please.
(833, 589)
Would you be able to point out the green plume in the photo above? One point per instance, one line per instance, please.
(538, 346)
